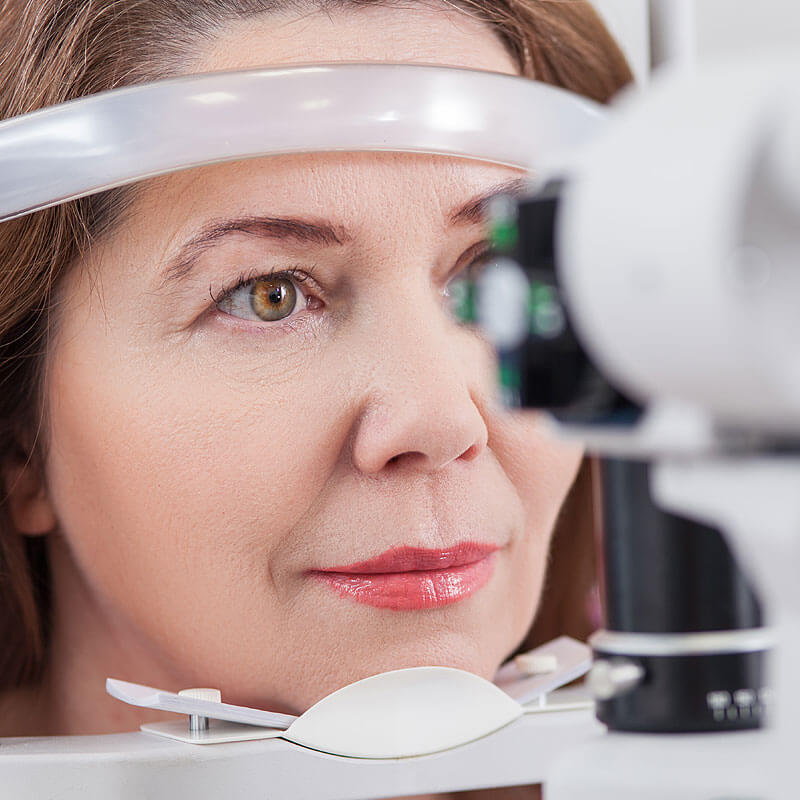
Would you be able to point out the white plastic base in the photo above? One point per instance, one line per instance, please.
(217, 733)
(220, 732)
(132, 766)
(738, 765)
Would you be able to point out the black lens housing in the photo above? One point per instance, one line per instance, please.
(556, 372)
(666, 576)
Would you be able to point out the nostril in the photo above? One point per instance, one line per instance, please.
(471, 453)
(409, 457)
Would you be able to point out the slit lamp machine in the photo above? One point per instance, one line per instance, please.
(645, 294)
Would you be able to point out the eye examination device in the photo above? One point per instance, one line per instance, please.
(644, 293)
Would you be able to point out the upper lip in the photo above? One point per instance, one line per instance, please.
(418, 559)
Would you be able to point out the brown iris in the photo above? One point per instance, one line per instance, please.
(273, 298)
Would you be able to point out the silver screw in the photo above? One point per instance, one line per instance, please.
(198, 723)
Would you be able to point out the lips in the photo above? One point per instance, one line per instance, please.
(413, 578)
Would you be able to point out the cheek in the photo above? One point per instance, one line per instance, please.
(542, 470)
(540, 466)
(167, 475)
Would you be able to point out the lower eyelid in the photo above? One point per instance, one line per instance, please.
(298, 322)
(227, 300)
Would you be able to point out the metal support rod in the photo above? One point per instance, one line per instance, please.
(197, 723)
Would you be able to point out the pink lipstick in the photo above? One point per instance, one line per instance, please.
(412, 578)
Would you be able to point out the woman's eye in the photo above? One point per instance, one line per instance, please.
(267, 299)
(460, 298)
(460, 291)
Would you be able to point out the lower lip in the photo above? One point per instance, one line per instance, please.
(414, 590)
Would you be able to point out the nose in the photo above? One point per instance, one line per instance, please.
(425, 404)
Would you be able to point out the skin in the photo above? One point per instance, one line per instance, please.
(199, 464)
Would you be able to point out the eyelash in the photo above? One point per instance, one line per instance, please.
(246, 278)
(478, 261)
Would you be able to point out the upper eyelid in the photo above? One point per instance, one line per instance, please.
(479, 251)
(475, 252)
(293, 273)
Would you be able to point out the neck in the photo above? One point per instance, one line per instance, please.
(87, 644)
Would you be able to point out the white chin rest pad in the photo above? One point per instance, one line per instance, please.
(406, 712)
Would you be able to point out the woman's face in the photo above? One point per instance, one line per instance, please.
(224, 460)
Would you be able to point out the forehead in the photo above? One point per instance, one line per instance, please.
(344, 186)
(416, 32)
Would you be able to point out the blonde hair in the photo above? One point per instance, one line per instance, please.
(52, 51)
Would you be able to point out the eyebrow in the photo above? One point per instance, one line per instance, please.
(474, 210)
(308, 231)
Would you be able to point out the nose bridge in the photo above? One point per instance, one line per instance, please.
(419, 350)
(419, 404)
(417, 342)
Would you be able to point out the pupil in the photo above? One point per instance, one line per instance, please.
(276, 295)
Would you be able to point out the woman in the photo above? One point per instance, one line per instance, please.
(243, 444)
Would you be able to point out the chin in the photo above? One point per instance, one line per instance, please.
(472, 654)
(319, 683)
